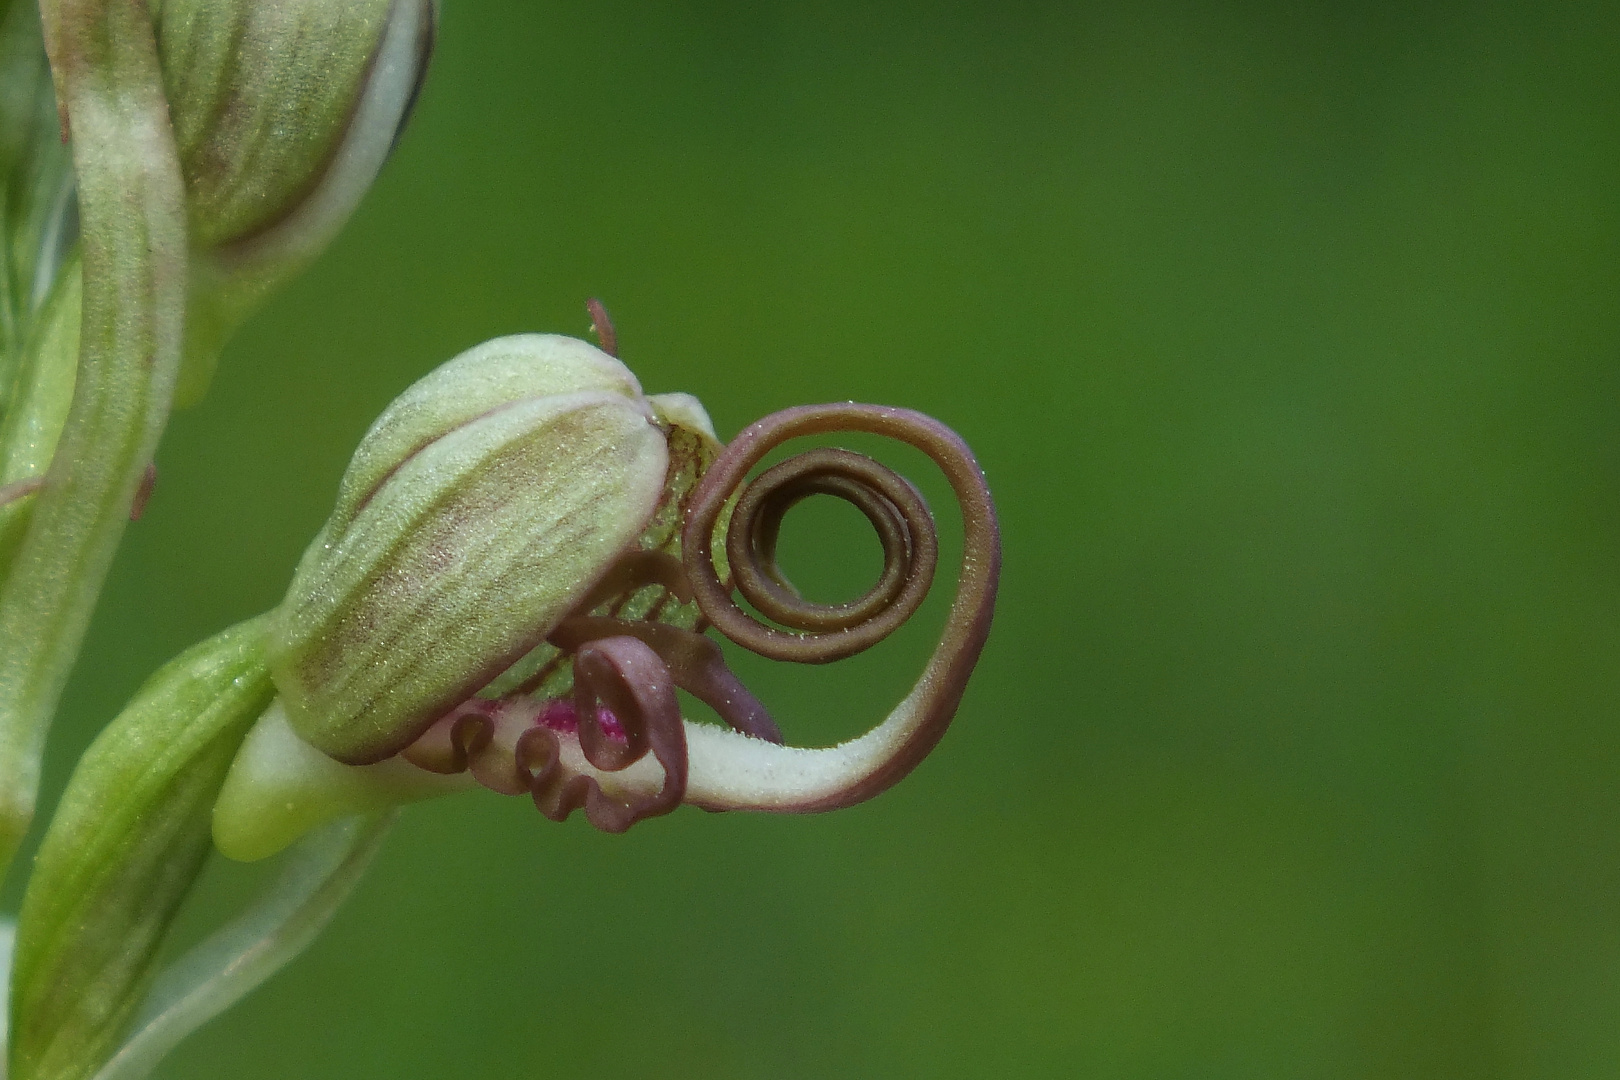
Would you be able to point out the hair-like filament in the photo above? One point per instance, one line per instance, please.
(602, 326)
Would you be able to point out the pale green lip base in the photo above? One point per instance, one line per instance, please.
(280, 788)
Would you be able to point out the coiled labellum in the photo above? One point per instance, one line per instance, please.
(731, 773)
(590, 719)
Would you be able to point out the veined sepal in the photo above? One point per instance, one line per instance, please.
(483, 506)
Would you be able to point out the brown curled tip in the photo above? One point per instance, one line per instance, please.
(602, 326)
(695, 663)
(807, 632)
(623, 675)
(480, 737)
(897, 513)
(445, 746)
(812, 633)
(624, 707)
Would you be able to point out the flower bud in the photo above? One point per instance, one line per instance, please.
(479, 510)
(283, 113)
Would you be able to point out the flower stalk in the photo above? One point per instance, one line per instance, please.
(132, 213)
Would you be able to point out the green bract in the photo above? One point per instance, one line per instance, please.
(480, 508)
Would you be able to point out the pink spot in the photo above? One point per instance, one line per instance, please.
(559, 714)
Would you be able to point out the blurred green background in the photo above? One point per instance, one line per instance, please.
(1289, 337)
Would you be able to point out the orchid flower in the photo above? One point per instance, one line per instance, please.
(522, 568)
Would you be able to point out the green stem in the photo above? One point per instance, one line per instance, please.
(38, 406)
(132, 215)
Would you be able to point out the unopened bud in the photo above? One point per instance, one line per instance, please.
(284, 111)
(479, 510)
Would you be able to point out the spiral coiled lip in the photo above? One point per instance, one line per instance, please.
(725, 774)
(896, 512)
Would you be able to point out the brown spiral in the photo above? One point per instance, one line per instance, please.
(807, 632)
(821, 633)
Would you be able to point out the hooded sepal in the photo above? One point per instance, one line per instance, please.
(481, 508)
